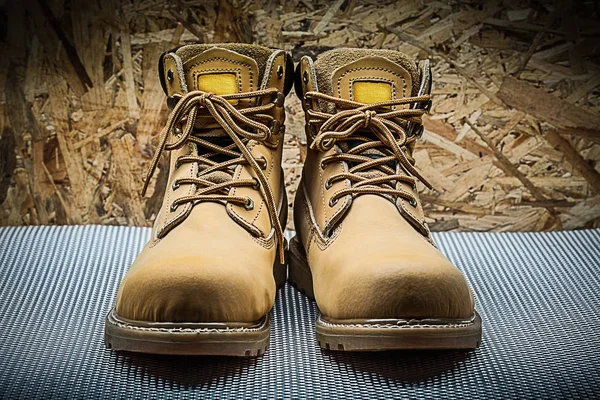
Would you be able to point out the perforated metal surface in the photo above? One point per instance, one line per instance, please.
(538, 295)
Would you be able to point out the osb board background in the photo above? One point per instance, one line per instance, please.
(512, 142)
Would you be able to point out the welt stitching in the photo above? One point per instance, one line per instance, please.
(123, 325)
(413, 325)
(175, 330)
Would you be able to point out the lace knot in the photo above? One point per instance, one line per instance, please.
(389, 128)
(369, 115)
(241, 129)
(204, 97)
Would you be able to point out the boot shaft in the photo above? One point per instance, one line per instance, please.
(225, 134)
(352, 99)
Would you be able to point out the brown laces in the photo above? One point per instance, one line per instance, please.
(391, 137)
(231, 120)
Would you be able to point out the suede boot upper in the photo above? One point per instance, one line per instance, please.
(357, 211)
(218, 233)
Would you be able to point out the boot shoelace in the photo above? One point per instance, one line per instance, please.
(390, 141)
(232, 121)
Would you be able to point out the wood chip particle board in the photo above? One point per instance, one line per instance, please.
(80, 103)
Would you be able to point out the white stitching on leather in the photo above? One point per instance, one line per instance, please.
(112, 320)
(270, 63)
(408, 324)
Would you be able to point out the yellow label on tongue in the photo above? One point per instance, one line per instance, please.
(218, 83)
(371, 92)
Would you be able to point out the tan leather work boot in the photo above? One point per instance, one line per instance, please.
(363, 249)
(205, 282)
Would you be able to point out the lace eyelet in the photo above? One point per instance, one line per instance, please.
(256, 185)
(274, 128)
(175, 185)
(328, 184)
(250, 205)
(323, 165)
(332, 202)
(263, 162)
(306, 103)
(428, 105)
(279, 99)
(419, 131)
(172, 101)
(412, 202)
(305, 77)
(279, 71)
(174, 207)
(177, 164)
(170, 75)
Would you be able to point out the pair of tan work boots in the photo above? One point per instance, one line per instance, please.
(207, 279)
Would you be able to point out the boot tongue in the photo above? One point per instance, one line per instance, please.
(366, 75)
(220, 71)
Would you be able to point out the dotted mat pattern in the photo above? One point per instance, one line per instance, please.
(538, 295)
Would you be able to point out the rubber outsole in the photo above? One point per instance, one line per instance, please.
(192, 338)
(381, 335)
(187, 339)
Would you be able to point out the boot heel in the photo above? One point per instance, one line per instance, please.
(299, 273)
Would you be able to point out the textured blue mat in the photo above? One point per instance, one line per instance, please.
(538, 295)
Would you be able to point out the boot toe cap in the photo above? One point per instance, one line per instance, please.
(194, 292)
(399, 292)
